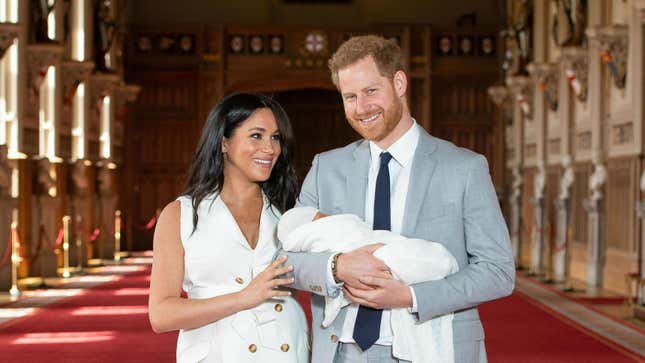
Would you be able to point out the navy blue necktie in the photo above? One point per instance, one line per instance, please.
(368, 321)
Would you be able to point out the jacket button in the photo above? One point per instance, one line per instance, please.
(239, 280)
(278, 307)
(334, 338)
(253, 348)
(284, 347)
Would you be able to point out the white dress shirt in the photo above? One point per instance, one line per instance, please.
(402, 152)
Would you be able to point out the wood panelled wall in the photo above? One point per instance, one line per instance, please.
(528, 216)
(447, 96)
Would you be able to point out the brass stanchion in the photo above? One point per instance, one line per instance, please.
(15, 256)
(117, 235)
(79, 244)
(66, 220)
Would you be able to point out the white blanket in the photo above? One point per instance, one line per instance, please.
(410, 260)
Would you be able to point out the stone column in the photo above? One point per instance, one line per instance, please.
(45, 224)
(561, 253)
(595, 209)
(538, 235)
(107, 202)
(7, 206)
(516, 213)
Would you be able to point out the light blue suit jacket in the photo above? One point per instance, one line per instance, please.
(450, 200)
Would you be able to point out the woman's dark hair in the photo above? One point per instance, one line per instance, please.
(206, 174)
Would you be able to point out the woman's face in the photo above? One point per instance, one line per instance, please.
(253, 148)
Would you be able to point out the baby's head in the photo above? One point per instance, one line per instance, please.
(295, 218)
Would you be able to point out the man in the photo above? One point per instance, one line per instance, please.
(402, 179)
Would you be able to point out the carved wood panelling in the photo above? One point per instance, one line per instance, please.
(167, 95)
(331, 127)
(621, 191)
(579, 192)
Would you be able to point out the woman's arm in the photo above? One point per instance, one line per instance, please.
(169, 311)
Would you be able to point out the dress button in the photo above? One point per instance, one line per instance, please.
(253, 348)
(284, 347)
(334, 338)
(239, 280)
(278, 307)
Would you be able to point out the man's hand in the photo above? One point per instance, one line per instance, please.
(351, 266)
(386, 293)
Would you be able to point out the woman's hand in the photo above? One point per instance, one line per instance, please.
(264, 285)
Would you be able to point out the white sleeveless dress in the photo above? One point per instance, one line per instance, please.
(218, 261)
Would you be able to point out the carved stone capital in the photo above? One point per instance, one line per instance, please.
(576, 64)
(498, 94)
(640, 209)
(39, 58)
(45, 181)
(8, 33)
(125, 94)
(80, 181)
(612, 43)
(105, 178)
(639, 7)
(546, 76)
(521, 88)
(101, 85)
(73, 74)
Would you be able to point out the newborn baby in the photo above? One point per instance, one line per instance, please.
(410, 260)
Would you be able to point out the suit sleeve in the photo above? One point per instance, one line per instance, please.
(309, 268)
(490, 272)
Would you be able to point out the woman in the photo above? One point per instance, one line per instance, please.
(217, 243)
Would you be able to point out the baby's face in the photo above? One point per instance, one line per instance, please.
(318, 216)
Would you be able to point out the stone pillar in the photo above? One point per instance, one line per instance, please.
(594, 207)
(82, 206)
(561, 253)
(46, 225)
(7, 206)
(516, 214)
(640, 209)
(538, 235)
(107, 205)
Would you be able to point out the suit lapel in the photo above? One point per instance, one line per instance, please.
(356, 180)
(423, 166)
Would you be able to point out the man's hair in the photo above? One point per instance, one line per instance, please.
(386, 54)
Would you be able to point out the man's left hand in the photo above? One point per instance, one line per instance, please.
(386, 293)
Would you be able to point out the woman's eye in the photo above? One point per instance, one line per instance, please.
(275, 137)
(371, 91)
(256, 136)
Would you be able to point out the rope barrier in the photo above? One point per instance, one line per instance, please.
(33, 258)
(148, 226)
(7, 253)
(95, 234)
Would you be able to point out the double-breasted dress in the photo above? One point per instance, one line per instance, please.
(217, 261)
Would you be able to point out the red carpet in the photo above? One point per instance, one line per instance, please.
(521, 330)
(109, 323)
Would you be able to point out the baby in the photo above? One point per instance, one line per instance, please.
(410, 260)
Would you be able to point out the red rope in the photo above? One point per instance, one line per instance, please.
(7, 252)
(95, 234)
(31, 259)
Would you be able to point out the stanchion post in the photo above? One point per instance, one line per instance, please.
(117, 235)
(66, 220)
(15, 255)
(79, 244)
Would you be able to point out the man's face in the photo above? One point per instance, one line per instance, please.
(373, 107)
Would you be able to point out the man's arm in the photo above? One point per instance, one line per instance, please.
(490, 273)
(311, 269)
